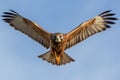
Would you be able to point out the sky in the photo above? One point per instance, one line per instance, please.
(97, 58)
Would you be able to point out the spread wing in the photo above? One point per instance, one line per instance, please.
(28, 27)
(90, 27)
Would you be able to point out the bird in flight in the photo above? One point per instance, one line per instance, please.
(59, 42)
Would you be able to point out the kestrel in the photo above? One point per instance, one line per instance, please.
(58, 42)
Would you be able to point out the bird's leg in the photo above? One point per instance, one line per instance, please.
(57, 57)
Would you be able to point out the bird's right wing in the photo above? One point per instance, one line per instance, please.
(27, 27)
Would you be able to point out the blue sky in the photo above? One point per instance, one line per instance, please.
(97, 58)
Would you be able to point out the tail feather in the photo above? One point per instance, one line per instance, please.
(66, 59)
(49, 57)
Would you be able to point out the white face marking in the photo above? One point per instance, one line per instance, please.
(59, 38)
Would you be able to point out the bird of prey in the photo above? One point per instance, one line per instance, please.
(59, 42)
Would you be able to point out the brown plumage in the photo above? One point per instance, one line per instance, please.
(58, 42)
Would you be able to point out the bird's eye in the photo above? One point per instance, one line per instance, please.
(61, 36)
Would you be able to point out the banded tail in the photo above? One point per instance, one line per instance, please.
(63, 59)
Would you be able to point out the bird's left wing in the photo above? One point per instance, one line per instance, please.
(89, 28)
(27, 27)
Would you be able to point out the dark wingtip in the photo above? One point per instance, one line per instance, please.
(9, 16)
(106, 15)
(7, 20)
(105, 12)
(11, 12)
(111, 18)
(109, 22)
(107, 26)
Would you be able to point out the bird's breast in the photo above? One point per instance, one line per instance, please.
(58, 46)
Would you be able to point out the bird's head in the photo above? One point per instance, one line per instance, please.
(58, 37)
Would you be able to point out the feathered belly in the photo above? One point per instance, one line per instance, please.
(58, 47)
